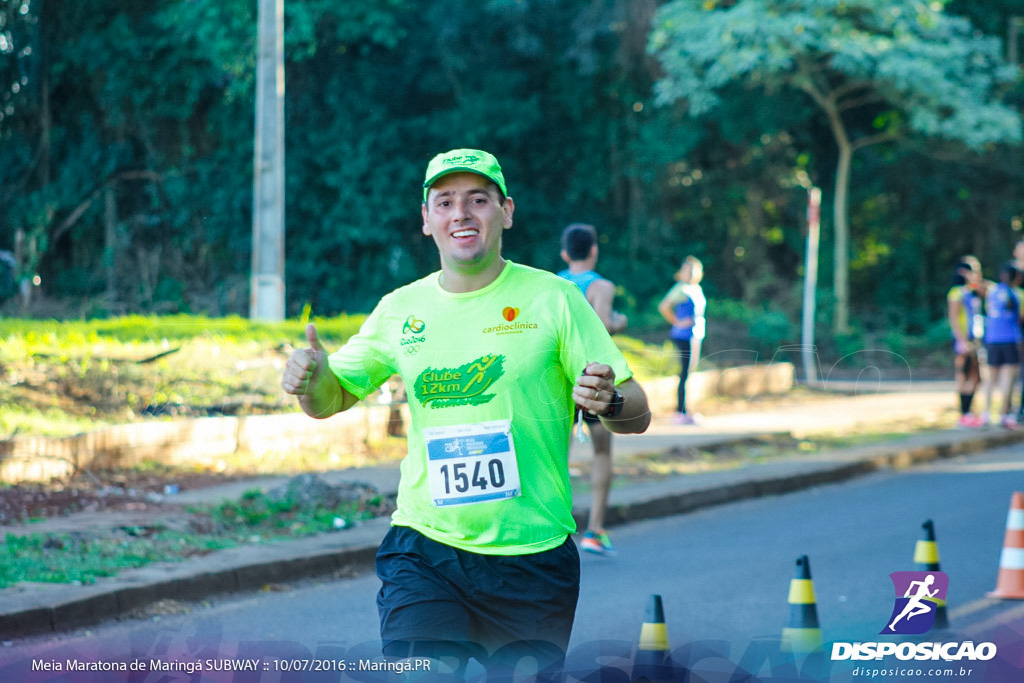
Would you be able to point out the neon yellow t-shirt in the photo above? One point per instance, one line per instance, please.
(472, 361)
(968, 309)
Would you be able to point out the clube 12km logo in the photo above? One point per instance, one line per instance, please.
(919, 594)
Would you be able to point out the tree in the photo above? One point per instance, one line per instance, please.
(878, 72)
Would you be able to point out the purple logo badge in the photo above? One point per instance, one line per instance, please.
(918, 595)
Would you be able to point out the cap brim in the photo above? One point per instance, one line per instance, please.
(427, 184)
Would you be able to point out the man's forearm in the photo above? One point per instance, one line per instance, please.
(328, 398)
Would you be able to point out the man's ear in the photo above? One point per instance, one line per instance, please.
(509, 208)
(565, 257)
(426, 226)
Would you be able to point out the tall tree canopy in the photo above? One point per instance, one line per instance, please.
(126, 132)
(878, 72)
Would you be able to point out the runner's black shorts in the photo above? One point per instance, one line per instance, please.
(437, 600)
(1002, 354)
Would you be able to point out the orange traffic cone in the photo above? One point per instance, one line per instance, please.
(652, 661)
(803, 634)
(926, 556)
(1011, 562)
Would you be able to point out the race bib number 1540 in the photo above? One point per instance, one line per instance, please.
(471, 463)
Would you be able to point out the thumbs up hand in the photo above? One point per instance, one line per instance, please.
(305, 367)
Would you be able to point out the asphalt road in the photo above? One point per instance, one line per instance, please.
(723, 574)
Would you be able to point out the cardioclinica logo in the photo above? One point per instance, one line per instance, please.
(511, 325)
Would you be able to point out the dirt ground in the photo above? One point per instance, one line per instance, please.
(95, 491)
(50, 393)
(151, 489)
(147, 488)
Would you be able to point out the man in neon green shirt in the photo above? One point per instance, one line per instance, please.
(495, 356)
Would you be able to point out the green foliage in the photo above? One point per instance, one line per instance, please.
(255, 512)
(930, 66)
(876, 72)
(740, 334)
(21, 335)
(148, 110)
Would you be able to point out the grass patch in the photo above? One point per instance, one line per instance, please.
(67, 558)
(255, 518)
(59, 378)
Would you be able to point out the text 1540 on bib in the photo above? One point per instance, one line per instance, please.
(471, 463)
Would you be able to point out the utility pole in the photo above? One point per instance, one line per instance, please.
(266, 296)
(811, 284)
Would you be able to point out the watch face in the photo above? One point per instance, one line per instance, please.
(616, 405)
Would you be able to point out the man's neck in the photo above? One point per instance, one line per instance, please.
(577, 267)
(460, 283)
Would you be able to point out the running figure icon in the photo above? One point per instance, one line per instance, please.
(918, 594)
(917, 604)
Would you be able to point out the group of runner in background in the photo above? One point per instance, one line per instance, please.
(987, 321)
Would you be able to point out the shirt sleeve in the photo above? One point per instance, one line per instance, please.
(365, 362)
(584, 339)
(700, 303)
(677, 294)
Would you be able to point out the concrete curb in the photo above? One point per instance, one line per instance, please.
(32, 609)
(798, 474)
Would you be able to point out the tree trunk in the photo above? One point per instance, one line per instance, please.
(841, 228)
(110, 237)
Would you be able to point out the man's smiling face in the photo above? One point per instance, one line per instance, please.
(465, 215)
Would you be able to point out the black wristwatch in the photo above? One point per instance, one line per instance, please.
(615, 406)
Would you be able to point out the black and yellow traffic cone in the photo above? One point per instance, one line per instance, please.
(926, 556)
(653, 661)
(803, 634)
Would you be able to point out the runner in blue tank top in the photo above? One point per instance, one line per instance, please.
(579, 251)
(1018, 263)
(1002, 342)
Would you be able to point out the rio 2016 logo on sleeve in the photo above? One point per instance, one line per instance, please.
(918, 595)
(461, 386)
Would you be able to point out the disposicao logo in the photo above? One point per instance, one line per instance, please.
(918, 595)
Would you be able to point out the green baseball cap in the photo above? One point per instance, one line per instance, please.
(466, 160)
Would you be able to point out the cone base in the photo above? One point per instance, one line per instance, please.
(800, 640)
